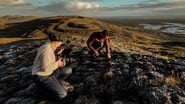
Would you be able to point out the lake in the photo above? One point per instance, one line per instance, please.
(166, 27)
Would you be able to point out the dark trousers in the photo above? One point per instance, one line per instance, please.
(98, 47)
(50, 87)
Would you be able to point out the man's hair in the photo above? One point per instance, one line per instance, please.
(102, 34)
(53, 37)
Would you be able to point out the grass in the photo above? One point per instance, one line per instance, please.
(72, 28)
(171, 80)
(4, 41)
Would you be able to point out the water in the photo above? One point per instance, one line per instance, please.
(153, 27)
(167, 27)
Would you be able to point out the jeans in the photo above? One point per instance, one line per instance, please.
(49, 87)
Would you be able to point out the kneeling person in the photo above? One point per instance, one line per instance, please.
(48, 73)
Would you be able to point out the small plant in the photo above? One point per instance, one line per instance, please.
(171, 80)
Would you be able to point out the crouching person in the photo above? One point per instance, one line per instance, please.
(48, 73)
(96, 42)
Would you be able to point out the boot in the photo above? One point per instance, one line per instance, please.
(67, 86)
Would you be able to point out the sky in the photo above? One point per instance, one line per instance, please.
(93, 8)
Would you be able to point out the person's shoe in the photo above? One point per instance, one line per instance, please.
(109, 74)
(67, 86)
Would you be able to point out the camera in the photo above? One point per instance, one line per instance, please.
(64, 54)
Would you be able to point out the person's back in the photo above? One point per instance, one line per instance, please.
(93, 36)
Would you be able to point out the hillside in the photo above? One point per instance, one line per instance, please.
(127, 38)
(147, 67)
(135, 78)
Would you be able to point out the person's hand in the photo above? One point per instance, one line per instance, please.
(110, 73)
(96, 53)
(60, 51)
(60, 62)
(109, 56)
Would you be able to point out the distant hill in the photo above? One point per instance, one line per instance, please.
(17, 18)
(79, 28)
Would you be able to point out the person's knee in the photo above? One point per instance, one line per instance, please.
(62, 95)
(68, 71)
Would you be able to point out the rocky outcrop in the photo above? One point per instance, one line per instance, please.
(135, 78)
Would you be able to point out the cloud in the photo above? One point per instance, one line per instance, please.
(170, 11)
(158, 5)
(70, 8)
(147, 6)
(155, 7)
(11, 2)
(88, 0)
(92, 8)
(79, 5)
(16, 3)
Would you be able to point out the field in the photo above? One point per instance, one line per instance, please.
(126, 34)
(168, 45)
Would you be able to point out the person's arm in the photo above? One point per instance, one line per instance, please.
(48, 61)
(107, 47)
(90, 42)
(90, 45)
(92, 48)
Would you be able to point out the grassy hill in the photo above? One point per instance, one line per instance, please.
(78, 28)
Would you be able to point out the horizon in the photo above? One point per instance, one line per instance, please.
(109, 17)
(95, 8)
